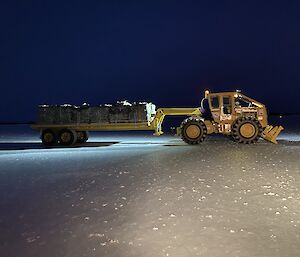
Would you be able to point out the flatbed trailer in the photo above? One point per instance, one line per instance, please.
(68, 134)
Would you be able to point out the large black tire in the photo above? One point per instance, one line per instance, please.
(82, 136)
(49, 137)
(246, 130)
(67, 137)
(193, 130)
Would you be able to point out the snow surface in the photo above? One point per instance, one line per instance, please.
(139, 195)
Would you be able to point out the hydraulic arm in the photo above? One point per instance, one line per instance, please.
(156, 124)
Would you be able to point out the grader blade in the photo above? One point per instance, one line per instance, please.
(270, 133)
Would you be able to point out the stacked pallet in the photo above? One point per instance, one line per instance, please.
(120, 112)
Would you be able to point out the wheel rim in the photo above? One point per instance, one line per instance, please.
(247, 130)
(193, 131)
(48, 137)
(65, 137)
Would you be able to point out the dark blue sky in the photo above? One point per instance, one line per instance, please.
(166, 52)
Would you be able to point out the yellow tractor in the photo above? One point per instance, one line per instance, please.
(229, 113)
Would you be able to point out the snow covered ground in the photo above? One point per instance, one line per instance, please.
(138, 195)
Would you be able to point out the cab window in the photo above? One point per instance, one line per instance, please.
(215, 102)
(226, 100)
(240, 102)
(226, 105)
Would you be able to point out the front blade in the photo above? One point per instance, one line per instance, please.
(270, 133)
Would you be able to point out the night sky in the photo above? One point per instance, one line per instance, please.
(167, 52)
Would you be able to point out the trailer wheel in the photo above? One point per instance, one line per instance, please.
(246, 130)
(48, 137)
(67, 137)
(193, 131)
(82, 136)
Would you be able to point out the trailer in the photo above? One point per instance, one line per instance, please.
(228, 113)
(55, 131)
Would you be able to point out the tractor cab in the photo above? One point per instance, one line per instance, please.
(226, 107)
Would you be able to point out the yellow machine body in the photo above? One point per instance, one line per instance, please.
(234, 105)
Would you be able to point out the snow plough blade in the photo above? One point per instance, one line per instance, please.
(270, 133)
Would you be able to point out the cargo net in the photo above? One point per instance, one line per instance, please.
(120, 112)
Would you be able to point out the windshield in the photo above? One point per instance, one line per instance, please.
(242, 102)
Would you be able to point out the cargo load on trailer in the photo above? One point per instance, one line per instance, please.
(121, 111)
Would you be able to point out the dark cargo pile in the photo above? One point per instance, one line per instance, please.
(122, 111)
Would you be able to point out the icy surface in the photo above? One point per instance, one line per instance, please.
(125, 195)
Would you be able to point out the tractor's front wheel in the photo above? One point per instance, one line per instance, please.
(246, 130)
(193, 130)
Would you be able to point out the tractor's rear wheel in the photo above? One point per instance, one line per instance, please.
(49, 137)
(82, 136)
(67, 137)
(246, 130)
(193, 130)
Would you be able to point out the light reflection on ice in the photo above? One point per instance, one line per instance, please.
(163, 198)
